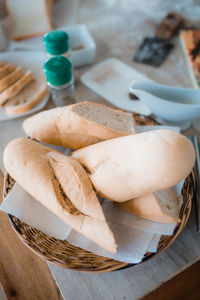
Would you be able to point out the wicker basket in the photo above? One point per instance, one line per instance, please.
(66, 255)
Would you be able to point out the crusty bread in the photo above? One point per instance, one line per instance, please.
(160, 206)
(29, 18)
(132, 166)
(6, 69)
(79, 125)
(27, 98)
(62, 185)
(16, 87)
(11, 78)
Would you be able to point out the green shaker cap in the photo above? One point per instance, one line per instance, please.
(56, 42)
(58, 70)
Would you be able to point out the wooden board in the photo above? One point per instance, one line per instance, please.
(23, 275)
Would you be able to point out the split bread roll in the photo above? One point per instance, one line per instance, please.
(29, 18)
(79, 125)
(132, 166)
(15, 88)
(160, 206)
(62, 185)
(27, 98)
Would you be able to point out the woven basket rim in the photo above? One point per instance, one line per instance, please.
(79, 259)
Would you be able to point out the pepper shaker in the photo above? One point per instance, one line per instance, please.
(60, 80)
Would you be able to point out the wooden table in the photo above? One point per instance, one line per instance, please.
(117, 33)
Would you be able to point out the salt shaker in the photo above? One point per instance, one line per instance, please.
(60, 80)
(56, 43)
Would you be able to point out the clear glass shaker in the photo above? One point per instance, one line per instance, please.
(60, 80)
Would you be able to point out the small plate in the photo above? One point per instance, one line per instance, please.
(28, 61)
(111, 79)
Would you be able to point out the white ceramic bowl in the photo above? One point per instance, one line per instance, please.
(82, 45)
(171, 104)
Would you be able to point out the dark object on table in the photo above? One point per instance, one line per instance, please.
(153, 51)
(133, 96)
(169, 26)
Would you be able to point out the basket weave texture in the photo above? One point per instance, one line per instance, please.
(66, 255)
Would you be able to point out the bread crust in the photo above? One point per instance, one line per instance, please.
(11, 78)
(149, 207)
(41, 171)
(135, 165)
(6, 69)
(14, 109)
(16, 87)
(64, 127)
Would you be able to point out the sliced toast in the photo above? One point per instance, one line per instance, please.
(11, 78)
(14, 89)
(27, 98)
(29, 18)
(6, 69)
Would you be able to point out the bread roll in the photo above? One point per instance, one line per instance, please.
(132, 166)
(62, 185)
(79, 125)
(160, 206)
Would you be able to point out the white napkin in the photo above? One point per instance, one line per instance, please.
(134, 237)
(21, 204)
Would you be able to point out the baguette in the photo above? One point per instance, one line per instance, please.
(27, 98)
(11, 78)
(79, 125)
(160, 206)
(62, 185)
(29, 18)
(5, 70)
(132, 166)
(16, 87)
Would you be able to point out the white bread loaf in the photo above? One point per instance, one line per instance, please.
(62, 185)
(15, 88)
(27, 98)
(79, 125)
(29, 18)
(160, 206)
(11, 78)
(135, 165)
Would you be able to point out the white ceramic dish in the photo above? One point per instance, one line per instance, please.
(178, 106)
(28, 61)
(111, 79)
(79, 37)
